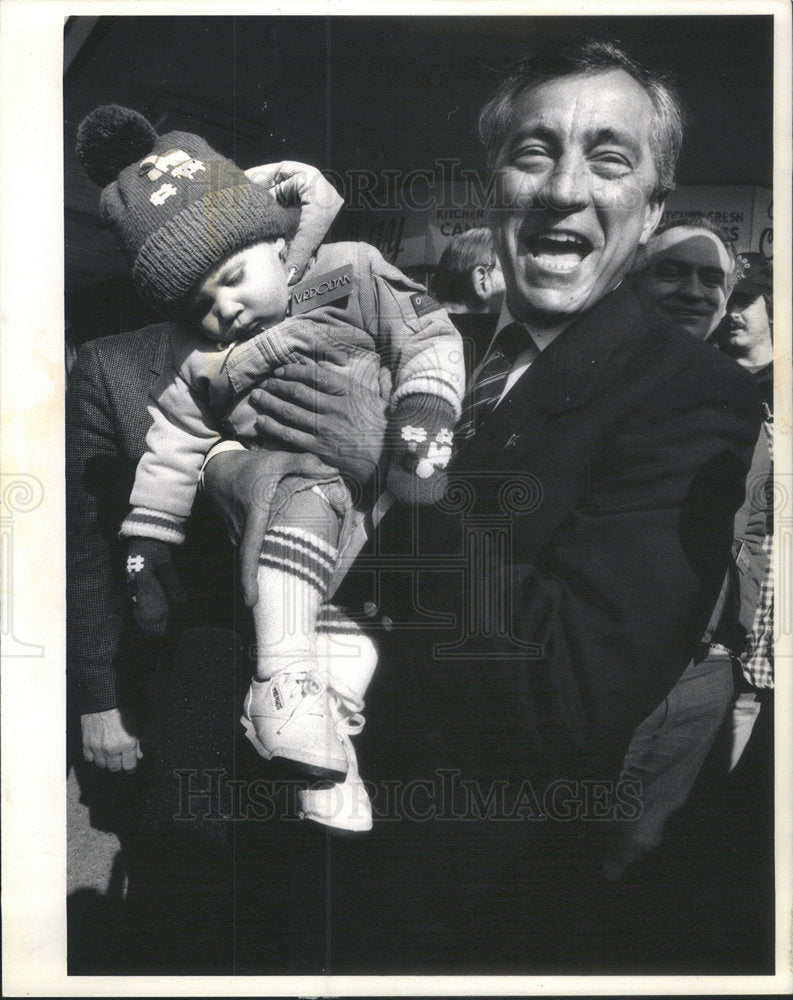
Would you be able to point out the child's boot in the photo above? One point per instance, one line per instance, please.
(350, 659)
(289, 719)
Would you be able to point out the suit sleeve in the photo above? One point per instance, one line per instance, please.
(620, 595)
(94, 586)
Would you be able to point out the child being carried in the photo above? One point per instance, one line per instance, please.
(207, 248)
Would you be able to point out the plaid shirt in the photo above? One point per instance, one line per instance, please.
(758, 660)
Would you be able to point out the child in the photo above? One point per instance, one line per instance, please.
(207, 248)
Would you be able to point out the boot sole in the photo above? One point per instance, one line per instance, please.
(294, 767)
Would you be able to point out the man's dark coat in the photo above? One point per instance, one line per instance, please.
(605, 483)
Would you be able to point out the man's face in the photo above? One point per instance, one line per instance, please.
(685, 284)
(746, 326)
(246, 293)
(577, 175)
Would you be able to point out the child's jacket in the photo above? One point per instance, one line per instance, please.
(351, 296)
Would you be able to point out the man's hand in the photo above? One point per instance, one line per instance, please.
(303, 186)
(332, 405)
(242, 485)
(108, 743)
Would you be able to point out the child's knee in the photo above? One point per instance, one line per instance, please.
(319, 509)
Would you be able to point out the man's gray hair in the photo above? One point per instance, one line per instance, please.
(666, 134)
(646, 253)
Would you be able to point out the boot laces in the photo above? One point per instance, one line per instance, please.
(346, 708)
(312, 687)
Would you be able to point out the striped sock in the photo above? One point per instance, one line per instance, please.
(295, 570)
(301, 554)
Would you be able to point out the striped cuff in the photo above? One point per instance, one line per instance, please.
(301, 554)
(143, 523)
(430, 384)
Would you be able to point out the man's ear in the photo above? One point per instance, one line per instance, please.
(480, 279)
(652, 216)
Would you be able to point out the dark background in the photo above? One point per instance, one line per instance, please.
(379, 94)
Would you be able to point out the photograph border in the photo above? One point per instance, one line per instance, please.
(32, 387)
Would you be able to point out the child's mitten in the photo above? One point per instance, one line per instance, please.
(421, 430)
(153, 584)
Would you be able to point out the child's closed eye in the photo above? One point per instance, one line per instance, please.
(233, 277)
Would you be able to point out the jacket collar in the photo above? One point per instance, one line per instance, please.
(568, 372)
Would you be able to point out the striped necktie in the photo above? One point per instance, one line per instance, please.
(486, 389)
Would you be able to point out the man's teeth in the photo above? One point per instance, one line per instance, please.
(558, 251)
(556, 263)
(560, 238)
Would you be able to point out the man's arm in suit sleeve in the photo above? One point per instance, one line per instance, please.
(623, 590)
(95, 590)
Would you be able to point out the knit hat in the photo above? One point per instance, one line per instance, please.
(756, 275)
(175, 205)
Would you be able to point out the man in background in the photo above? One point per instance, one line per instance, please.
(469, 284)
(685, 276)
(747, 333)
(747, 336)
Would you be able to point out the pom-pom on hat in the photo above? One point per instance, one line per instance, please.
(175, 205)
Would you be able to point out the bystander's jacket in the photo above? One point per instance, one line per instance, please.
(106, 426)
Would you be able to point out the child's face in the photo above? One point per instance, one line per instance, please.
(244, 294)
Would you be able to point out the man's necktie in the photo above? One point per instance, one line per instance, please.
(486, 389)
